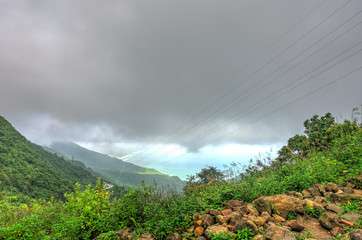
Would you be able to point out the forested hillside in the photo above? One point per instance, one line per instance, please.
(30, 171)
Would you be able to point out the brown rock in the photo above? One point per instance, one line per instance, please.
(201, 238)
(198, 222)
(262, 205)
(273, 232)
(207, 220)
(348, 190)
(246, 224)
(306, 194)
(252, 210)
(214, 212)
(173, 236)
(331, 187)
(222, 219)
(320, 200)
(329, 220)
(334, 208)
(191, 229)
(337, 231)
(356, 234)
(258, 237)
(199, 231)
(312, 204)
(338, 197)
(146, 236)
(226, 212)
(350, 185)
(295, 225)
(233, 203)
(284, 204)
(235, 217)
(316, 190)
(260, 221)
(230, 228)
(215, 229)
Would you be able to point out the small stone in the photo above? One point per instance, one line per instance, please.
(329, 220)
(252, 209)
(331, 187)
(295, 225)
(262, 205)
(334, 208)
(199, 231)
(230, 228)
(191, 229)
(320, 200)
(348, 190)
(214, 212)
(337, 231)
(350, 185)
(233, 203)
(246, 224)
(226, 212)
(278, 219)
(274, 232)
(215, 229)
(306, 194)
(222, 219)
(235, 217)
(356, 234)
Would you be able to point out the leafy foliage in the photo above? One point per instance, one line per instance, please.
(330, 152)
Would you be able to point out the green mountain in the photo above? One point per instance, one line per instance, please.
(116, 170)
(29, 170)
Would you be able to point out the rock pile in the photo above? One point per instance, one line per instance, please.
(315, 210)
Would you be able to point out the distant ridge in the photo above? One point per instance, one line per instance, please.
(114, 169)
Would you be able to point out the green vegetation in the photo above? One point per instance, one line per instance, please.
(313, 212)
(116, 170)
(329, 152)
(28, 171)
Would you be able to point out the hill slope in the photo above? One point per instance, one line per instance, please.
(116, 170)
(28, 169)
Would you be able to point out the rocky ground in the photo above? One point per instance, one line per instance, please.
(314, 213)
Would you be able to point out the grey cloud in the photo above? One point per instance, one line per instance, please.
(143, 68)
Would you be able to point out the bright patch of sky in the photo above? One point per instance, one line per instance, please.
(176, 160)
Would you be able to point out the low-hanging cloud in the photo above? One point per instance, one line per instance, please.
(153, 71)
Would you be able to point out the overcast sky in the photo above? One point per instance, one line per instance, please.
(177, 85)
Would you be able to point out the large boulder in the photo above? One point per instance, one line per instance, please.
(283, 204)
(274, 232)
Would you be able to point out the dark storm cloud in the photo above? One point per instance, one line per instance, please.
(137, 70)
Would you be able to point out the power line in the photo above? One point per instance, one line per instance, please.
(238, 116)
(284, 106)
(264, 65)
(223, 107)
(235, 75)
